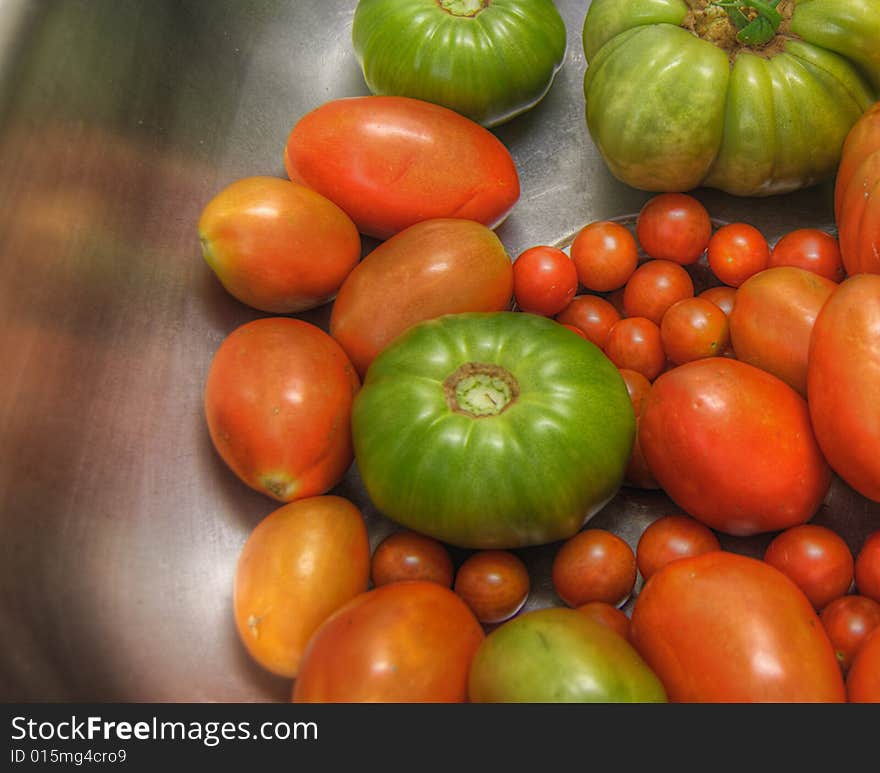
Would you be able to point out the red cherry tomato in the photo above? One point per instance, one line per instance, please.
(848, 621)
(494, 584)
(274, 379)
(592, 315)
(669, 538)
(736, 252)
(692, 329)
(638, 474)
(407, 642)
(863, 679)
(674, 226)
(809, 249)
(634, 343)
(867, 567)
(654, 287)
(605, 254)
(637, 386)
(722, 296)
(609, 616)
(594, 565)
(407, 555)
(544, 280)
(816, 559)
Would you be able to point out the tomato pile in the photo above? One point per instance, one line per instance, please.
(493, 402)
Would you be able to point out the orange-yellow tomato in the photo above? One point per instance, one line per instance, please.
(278, 246)
(301, 563)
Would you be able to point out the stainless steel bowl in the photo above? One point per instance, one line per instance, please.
(120, 525)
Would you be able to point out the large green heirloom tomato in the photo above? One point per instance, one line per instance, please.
(492, 430)
(682, 93)
(489, 60)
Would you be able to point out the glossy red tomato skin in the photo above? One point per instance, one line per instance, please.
(634, 343)
(391, 162)
(669, 538)
(810, 249)
(605, 254)
(736, 252)
(867, 567)
(592, 315)
(843, 382)
(610, 616)
(863, 679)
(694, 328)
(433, 268)
(278, 246)
(654, 287)
(814, 558)
(710, 425)
(494, 584)
(772, 321)
(637, 473)
(594, 565)
(407, 642)
(408, 555)
(722, 627)
(849, 621)
(722, 296)
(674, 226)
(544, 280)
(273, 379)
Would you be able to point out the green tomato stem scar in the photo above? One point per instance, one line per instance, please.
(463, 7)
(756, 20)
(478, 389)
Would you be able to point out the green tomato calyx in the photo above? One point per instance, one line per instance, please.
(463, 7)
(478, 389)
(756, 21)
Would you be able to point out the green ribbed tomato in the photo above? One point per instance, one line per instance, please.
(489, 60)
(683, 93)
(492, 430)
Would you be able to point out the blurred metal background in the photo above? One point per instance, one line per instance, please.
(119, 120)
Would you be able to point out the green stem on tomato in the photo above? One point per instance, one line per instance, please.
(755, 31)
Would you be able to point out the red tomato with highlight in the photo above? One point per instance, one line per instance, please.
(544, 280)
(494, 584)
(391, 162)
(843, 382)
(634, 343)
(605, 254)
(736, 252)
(274, 379)
(407, 642)
(867, 567)
(672, 537)
(692, 329)
(654, 287)
(722, 296)
(733, 447)
(408, 555)
(809, 249)
(849, 621)
(594, 565)
(637, 473)
(814, 558)
(723, 627)
(278, 246)
(863, 679)
(592, 315)
(674, 226)
(772, 321)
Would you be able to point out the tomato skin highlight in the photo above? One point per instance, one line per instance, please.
(849, 621)
(390, 162)
(274, 379)
(544, 280)
(722, 627)
(407, 642)
(709, 425)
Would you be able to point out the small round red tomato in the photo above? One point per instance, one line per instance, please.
(300, 564)
(736, 252)
(609, 616)
(605, 254)
(634, 343)
(408, 555)
(544, 280)
(733, 447)
(494, 584)
(772, 321)
(674, 226)
(637, 386)
(863, 679)
(654, 287)
(392, 161)
(278, 246)
(809, 249)
(848, 621)
(723, 627)
(407, 642)
(592, 315)
(722, 296)
(594, 565)
(274, 379)
(669, 538)
(638, 474)
(814, 558)
(867, 567)
(692, 329)
(576, 330)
